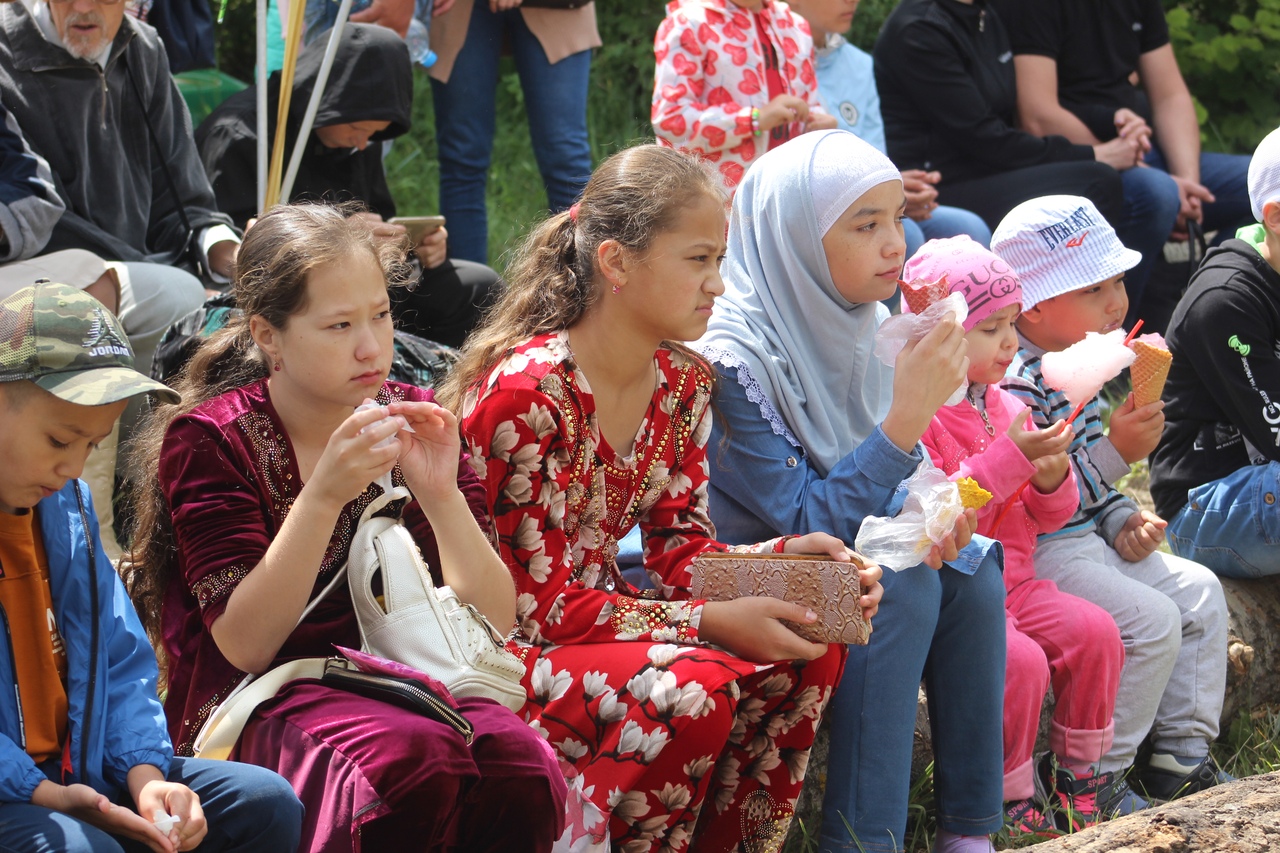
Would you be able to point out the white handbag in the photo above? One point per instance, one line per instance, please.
(422, 625)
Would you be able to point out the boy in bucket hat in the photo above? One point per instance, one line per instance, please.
(1171, 612)
(85, 758)
(1216, 471)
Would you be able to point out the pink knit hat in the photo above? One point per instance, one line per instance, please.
(988, 283)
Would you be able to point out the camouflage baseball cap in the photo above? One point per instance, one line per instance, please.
(69, 344)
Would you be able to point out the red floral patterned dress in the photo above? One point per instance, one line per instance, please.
(715, 62)
(648, 722)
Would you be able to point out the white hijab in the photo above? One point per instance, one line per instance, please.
(781, 317)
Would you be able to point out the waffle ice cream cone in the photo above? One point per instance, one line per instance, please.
(920, 294)
(972, 495)
(1149, 371)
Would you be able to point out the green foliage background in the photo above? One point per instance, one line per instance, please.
(1229, 51)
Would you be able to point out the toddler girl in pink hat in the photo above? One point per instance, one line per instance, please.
(1052, 637)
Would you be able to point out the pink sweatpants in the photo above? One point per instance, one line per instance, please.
(1059, 639)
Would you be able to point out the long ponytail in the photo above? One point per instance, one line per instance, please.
(631, 198)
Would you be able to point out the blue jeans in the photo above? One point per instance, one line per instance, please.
(950, 628)
(945, 222)
(555, 98)
(1232, 525)
(1151, 207)
(248, 810)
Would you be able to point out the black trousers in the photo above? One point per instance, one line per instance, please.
(447, 302)
(995, 195)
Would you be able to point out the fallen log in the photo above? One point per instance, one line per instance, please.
(1241, 817)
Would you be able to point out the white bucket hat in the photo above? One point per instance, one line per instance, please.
(1057, 244)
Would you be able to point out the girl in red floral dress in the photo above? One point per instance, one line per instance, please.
(676, 720)
(733, 79)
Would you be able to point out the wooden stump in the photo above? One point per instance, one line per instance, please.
(1242, 817)
(1253, 653)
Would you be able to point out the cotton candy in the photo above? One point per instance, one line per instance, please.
(900, 329)
(1080, 370)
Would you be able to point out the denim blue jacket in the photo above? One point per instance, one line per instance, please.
(116, 722)
(763, 485)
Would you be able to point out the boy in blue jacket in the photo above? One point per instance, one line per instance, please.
(85, 760)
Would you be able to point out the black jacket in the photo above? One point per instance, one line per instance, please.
(371, 80)
(1222, 399)
(944, 70)
(89, 125)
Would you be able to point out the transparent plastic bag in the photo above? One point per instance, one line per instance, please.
(898, 330)
(929, 514)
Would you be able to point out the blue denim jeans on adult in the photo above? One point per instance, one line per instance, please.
(945, 221)
(950, 627)
(248, 809)
(1151, 207)
(1232, 525)
(555, 98)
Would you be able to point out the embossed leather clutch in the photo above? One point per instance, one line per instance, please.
(827, 587)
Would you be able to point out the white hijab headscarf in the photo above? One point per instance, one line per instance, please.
(781, 317)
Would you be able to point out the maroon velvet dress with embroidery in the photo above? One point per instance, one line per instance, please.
(372, 776)
(669, 739)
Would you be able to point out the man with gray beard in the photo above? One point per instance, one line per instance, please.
(91, 89)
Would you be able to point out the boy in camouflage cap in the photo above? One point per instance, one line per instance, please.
(85, 757)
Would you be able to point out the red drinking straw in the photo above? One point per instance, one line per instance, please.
(1075, 413)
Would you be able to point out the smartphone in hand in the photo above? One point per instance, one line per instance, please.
(418, 227)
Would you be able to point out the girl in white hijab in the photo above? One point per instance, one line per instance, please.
(815, 433)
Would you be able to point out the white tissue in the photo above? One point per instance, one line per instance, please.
(164, 822)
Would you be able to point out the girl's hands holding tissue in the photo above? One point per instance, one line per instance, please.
(355, 456)
(429, 454)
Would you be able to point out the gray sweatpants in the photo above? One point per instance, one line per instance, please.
(1173, 621)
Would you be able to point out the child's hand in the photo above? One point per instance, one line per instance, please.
(926, 373)
(820, 121)
(1036, 443)
(178, 801)
(85, 804)
(1136, 432)
(1141, 535)
(1051, 470)
(783, 109)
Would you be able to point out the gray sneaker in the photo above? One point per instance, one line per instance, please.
(1162, 785)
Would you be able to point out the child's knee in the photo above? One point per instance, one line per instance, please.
(1026, 668)
(1159, 630)
(1096, 638)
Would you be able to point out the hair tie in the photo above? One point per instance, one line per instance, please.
(573, 211)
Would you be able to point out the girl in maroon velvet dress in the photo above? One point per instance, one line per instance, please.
(262, 476)
(681, 722)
